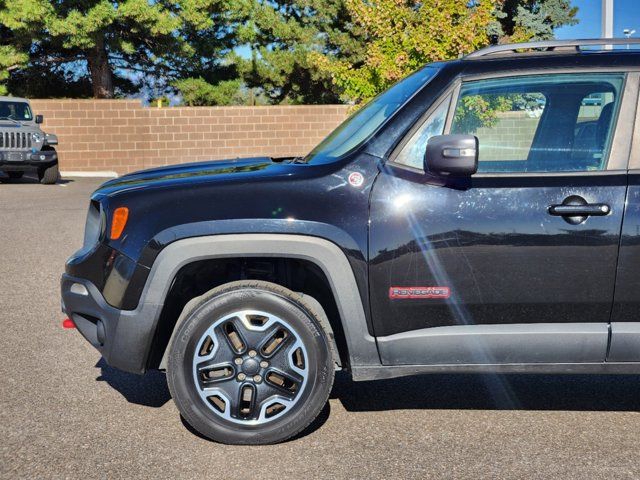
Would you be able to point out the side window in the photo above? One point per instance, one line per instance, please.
(412, 154)
(542, 123)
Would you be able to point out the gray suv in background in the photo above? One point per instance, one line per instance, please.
(24, 147)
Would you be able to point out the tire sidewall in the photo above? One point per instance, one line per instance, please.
(49, 175)
(184, 390)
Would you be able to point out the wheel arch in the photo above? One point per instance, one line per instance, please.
(323, 254)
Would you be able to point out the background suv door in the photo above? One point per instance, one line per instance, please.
(480, 270)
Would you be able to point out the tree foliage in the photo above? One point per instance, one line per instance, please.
(402, 35)
(523, 20)
(248, 51)
(197, 92)
(103, 40)
(475, 111)
(280, 36)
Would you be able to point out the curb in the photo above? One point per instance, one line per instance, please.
(104, 174)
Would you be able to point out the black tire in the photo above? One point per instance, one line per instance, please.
(15, 175)
(199, 317)
(50, 175)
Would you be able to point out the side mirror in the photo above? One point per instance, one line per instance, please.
(39, 119)
(455, 155)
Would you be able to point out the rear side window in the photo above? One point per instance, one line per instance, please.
(542, 123)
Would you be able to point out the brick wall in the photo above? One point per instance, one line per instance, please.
(124, 136)
(510, 138)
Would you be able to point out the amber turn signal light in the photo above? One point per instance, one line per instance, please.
(118, 222)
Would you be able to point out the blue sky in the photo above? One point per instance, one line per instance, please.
(626, 14)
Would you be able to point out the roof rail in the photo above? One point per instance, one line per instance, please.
(552, 45)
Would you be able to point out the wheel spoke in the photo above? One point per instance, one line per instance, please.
(274, 409)
(253, 326)
(277, 338)
(250, 367)
(283, 383)
(246, 401)
(233, 336)
(210, 373)
(207, 347)
(298, 358)
(217, 402)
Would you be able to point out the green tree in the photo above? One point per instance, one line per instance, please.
(106, 40)
(210, 75)
(282, 34)
(523, 20)
(198, 92)
(276, 39)
(402, 35)
(399, 36)
(299, 51)
(11, 57)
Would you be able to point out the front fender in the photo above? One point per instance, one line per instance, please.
(331, 233)
(325, 254)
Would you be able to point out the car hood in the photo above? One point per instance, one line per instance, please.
(23, 127)
(242, 170)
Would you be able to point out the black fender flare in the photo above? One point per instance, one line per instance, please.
(325, 254)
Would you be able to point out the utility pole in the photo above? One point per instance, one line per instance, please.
(607, 21)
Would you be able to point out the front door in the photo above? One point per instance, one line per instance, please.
(516, 264)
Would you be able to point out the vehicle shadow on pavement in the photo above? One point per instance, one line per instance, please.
(492, 392)
(461, 391)
(28, 180)
(149, 390)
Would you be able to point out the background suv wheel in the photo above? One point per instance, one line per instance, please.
(50, 175)
(250, 363)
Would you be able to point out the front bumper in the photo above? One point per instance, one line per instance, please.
(122, 337)
(21, 160)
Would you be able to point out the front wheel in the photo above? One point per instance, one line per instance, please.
(250, 364)
(49, 175)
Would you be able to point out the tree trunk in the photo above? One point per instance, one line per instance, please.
(100, 70)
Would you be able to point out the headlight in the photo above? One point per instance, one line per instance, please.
(93, 231)
(94, 226)
(36, 137)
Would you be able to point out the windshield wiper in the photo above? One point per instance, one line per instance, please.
(11, 119)
(289, 160)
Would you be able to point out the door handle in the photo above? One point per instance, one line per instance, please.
(588, 210)
(575, 210)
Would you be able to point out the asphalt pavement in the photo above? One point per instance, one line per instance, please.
(65, 414)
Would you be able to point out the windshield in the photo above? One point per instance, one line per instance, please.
(15, 111)
(362, 124)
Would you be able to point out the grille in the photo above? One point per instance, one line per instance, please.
(15, 140)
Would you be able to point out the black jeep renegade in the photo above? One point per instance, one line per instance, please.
(481, 215)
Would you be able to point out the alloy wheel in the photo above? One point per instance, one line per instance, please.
(250, 367)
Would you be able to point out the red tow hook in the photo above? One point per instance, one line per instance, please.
(68, 323)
